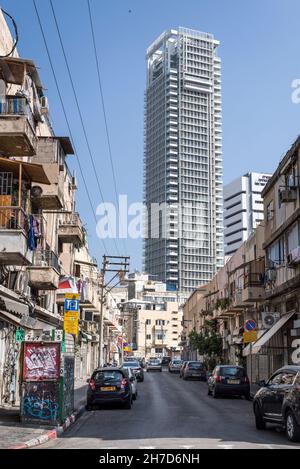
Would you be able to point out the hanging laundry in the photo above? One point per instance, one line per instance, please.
(32, 240)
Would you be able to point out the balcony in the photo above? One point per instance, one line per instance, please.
(17, 128)
(52, 196)
(13, 237)
(253, 287)
(45, 271)
(70, 228)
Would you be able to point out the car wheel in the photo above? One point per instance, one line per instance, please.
(134, 396)
(292, 428)
(259, 421)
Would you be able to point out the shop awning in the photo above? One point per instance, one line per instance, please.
(266, 337)
(30, 171)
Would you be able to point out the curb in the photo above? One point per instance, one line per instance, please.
(52, 434)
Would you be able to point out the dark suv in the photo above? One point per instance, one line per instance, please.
(278, 401)
(109, 385)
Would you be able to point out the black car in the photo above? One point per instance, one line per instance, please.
(165, 361)
(229, 380)
(107, 386)
(136, 368)
(278, 401)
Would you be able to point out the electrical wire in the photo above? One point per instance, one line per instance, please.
(16, 34)
(66, 117)
(79, 110)
(96, 53)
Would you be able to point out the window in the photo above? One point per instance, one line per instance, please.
(287, 379)
(293, 238)
(270, 211)
(148, 322)
(275, 253)
(275, 380)
(148, 336)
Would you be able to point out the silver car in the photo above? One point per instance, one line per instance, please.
(175, 365)
(154, 364)
(133, 382)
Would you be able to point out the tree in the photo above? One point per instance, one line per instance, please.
(208, 343)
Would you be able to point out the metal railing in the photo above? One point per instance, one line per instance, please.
(13, 218)
(16, 105)
(69, 219)
(46, 258)
(254, 280)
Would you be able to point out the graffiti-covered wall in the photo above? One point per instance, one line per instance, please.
(40, 402)
(41, 362)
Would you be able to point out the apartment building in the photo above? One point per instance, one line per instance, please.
(183, 191)
(243, 209)
(43, 244)
(260, 281)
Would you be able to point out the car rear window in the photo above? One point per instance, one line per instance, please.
(196, 366)
(155, 362)
(233, 371)
(113, 375)
(132, 364)
(177, 362)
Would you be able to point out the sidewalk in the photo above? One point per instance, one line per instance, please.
(14, 434)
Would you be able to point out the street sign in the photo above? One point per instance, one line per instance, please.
(72, 296)
(71, 320)
(250, 325)
(71, 305)
(250, 337)
(20, 335)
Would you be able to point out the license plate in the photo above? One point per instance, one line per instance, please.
(108, 388)
(233, 381)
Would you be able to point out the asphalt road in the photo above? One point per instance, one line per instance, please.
(172, 413)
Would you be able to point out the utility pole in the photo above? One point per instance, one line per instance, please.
(119, 265)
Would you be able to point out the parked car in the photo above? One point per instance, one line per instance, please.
(109, 385)
(154, 364)
(165, 361)
(136, 368)
(278, 401)
(133, 382)
(182, 369)
(229, 380)
(194, 369)
(175, 365)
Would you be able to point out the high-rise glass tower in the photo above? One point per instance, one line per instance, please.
(183, 243)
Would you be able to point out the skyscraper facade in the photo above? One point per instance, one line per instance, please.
(243, 209)
(183, 194)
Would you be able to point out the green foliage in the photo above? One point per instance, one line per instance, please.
(208, 343)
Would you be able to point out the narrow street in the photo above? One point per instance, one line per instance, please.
(175, 414)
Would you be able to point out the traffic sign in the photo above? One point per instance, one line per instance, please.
(250, 325)
(71, 305)
(71, 320)
(250, 337)
(72, 296)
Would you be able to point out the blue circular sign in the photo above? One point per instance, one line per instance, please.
(250, 325)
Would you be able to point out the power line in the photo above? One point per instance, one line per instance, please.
(104, 107)
(79, 110)
(66, 117)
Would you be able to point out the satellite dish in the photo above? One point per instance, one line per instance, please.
(36, 191)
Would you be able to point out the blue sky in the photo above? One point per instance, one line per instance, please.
(260, 46)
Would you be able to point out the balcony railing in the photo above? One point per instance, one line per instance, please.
(46, 258)
(13, 218)
(253, 280)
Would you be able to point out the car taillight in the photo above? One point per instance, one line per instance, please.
(218, 379)
(124, 383)
(92, 385)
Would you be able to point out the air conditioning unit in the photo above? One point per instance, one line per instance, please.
(21, 284)
(44, 104)
(36, 191)
(269, 319)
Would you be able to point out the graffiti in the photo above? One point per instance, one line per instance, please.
(40, 402)
(8, 383)
(69, 364)
(41, 362)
